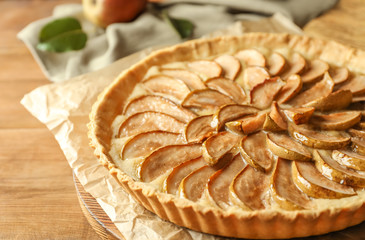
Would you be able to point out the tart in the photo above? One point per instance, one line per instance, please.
(257, 136)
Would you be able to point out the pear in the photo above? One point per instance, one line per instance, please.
(254, 75)
(334, 101)
(205, 68)
(315, 71)
(263, 94)
(251, 57)
(228, 87)
(299, 115)
(231, 66)
(199, 129)
(349, 159)
(336, 121)
(358, 145)
(295, 65)
(339, 74)
(292, 87)
(192, 80)
(356, 85)
(276, 64)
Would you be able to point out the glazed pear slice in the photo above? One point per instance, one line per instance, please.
(228, 87)
(263, 94)
(247, 125)
(356, 85)
(192, 80)
(336, 121)
(299, 115)
(292, 87)
(284, 190)
(277, 116)
(276, 64)
(315, 71)
(172, 182)
(165, 158)
(358, 145)
(316, 139)
(219, 145)
(357, 133)
(248, 188)
(339, 75)
(199, 129)
(206, 68)
(144, 143)
(314, 184)
(285, 147)
(334, 101)
(349, 159)
(219, 182)
(158, 104)
(336, 172)
(230, 65)
(251, 57)
(295, 65)
(150, 121)
(254, 75)
(253, 149)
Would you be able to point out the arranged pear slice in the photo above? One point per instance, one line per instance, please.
(150, 121)
(144, 143)
(315, 71)
(217, 146)
(349, 159)
(295, 65)
(172, 182)
(271, 126)
(219, 182)
(227, 87)
(276, 64)
(339, 75)
(158, 104)
(336, 172)
(277, 116)
(165, 158)
(248, 188)
(206, 68)
(285, 147)
(336, 121)
(199, 129)
(284, 190)
(356, 85)
(299, 115)
(292, 87)
(251, 124)
(192, 80)
(263, 94)
(230, 65)
(254, 75)
(334, 101)
(253, 149)
(357, 133)
(358, 145)
(251, 57)
(316, 139)
(314, 184)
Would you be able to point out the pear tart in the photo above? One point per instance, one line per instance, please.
(259, 136)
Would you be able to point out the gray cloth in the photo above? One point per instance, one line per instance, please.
(104, 46)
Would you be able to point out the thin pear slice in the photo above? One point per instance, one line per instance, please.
(163, 159)
(314, 184)
(228, 87)
(206, 101)
(217, 146)
(285, 147)
(358, 145)
(251, 57)
(206, 68)
(339, 75)
(199, 129)
(299, 115)
(271, 126)
(336, 172)
(334, 101)
(253, 149)
(336, 121)
(218, 184)
(192, 80)
(172, 182)
(248, 188)
(295, 65)
(316, 139)
(315, 71)
(167, 86)
(254, 75)
(276, 64)
(284, 190)
(349, 159)
(292, 87)
(150, 121)
(253, 124)
(277, 116)
(158, 104)
(144, 143)
(263, 94)
(357, 133)
(230, 65)
(356, 85)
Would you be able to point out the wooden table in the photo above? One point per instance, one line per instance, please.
(37, 193)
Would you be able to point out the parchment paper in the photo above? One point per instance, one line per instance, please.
(64, 108)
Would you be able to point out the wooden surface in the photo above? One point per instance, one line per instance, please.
(37, 194)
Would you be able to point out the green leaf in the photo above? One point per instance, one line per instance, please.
(182, 26)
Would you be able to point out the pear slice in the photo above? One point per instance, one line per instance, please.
(217, 146)
(284, 190)
(251, 57)
(336, 121)
(144, 143)
(334, 101)
(262, 95)
(276, 64)
(339, 75)
(253, 149)
(285, 147)
(357, 133)
(205, 101)
(277, 116)
(299, 115)
(251, 124)
(292, 87)
(349, 159)
(271, 126)
(218, 184)
(230, 65)
(316, 139)
(358, 145)
(336, 172)
(206, 68)
(150, 121)
(359, 98)
(165, 158)
(315, 71)
(199, 129)
(227, 87)
(356, 85)
(254, 75)
(314, 184)
(167, 86)
(192, 80)
(158, 104)
(248, 189)
(295, 65)
(172, 182)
